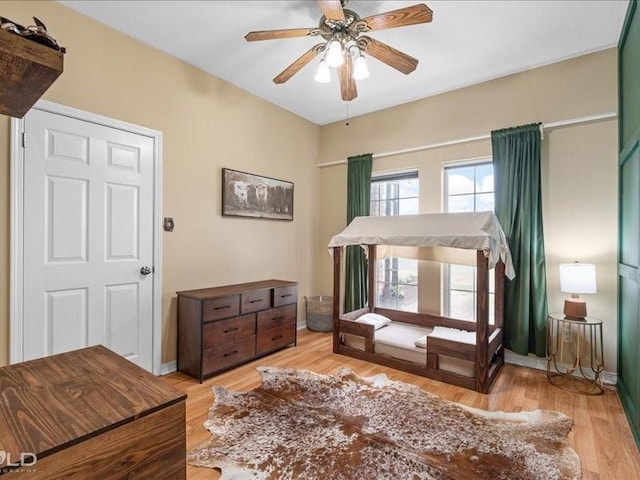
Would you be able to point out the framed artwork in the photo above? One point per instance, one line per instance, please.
(248, 195)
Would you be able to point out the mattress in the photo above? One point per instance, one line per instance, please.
(398, 341)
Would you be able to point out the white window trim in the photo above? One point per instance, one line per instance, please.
(376, 176)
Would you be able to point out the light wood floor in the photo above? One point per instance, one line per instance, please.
(601, 435)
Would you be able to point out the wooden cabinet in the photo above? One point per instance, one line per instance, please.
(89, 414)
(221, 327)
(629, 218)
(27, 70)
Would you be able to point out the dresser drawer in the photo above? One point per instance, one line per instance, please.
(254, 301)
(221, 307)
(228, 330)
(220, 357)
(276, 338)
(276, 317)
(285, 295)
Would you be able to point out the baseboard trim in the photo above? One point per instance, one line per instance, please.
(531, 361)
(169, 367)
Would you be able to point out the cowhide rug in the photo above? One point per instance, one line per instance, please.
(302, 425)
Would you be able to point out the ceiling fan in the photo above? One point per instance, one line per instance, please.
(343, 31)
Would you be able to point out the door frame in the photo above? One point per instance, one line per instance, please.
(17, 224)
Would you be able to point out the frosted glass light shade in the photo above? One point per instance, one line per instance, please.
(334, 54)
(578, 278)
(360, 69)
(322, 74)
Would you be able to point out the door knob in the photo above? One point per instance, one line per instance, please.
(145, 270)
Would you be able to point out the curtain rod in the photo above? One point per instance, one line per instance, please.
(561, 123)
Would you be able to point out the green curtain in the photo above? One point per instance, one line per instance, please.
(518, 206)
(358, 205)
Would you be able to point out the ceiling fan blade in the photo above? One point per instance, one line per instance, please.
(386, 54)
(347, 82)
(297, 65)
(332, 9)
(274, 34)
(398, 18)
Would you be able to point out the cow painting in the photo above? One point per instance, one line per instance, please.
(261, 194)
(248, 195)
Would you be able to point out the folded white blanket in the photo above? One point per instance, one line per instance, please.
(446, 333)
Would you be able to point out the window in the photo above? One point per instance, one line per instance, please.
(467, 188)
(397, 278)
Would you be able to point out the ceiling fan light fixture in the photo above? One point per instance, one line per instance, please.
(334, 57)
(343, 43)
(322, 74)
(360, 68)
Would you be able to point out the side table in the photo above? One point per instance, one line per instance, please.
(574, 350)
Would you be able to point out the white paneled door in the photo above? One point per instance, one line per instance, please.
(88, 238)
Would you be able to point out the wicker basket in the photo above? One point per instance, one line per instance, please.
(319, 313)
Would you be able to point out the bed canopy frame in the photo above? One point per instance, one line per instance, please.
(473, 238)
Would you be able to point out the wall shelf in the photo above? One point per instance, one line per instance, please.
(27, 70)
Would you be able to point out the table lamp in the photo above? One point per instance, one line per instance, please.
(577, 278)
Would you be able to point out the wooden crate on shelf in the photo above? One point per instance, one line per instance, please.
(27, 70)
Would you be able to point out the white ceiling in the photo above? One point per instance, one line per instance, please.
(468, 42)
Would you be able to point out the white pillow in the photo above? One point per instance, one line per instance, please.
(378, 321)
(422, 342)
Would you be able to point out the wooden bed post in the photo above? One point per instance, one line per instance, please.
(338, 305)
(499, 294)
(482, 322)
(371, 277)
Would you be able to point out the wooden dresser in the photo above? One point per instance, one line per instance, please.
(89, 414)
(222, 327)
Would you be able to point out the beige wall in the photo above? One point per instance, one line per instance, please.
(579, 165)
(207, 124)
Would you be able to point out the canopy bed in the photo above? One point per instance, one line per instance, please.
(460, 352)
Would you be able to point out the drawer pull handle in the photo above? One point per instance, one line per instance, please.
(286, 295)
(276, 319)
(222, 307)
(277, 337)
(257, 300)
(231, 353)
(229, 330)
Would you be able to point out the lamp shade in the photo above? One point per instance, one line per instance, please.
(360, 69)
(334, 56)
(578, 278)
(322, 74)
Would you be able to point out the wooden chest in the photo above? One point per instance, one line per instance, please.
(89, 414)
(222, 327)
